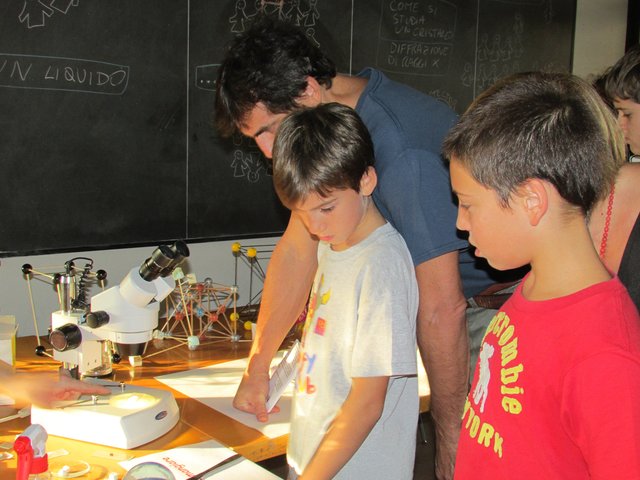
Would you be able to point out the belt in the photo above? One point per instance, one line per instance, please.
(493, 297)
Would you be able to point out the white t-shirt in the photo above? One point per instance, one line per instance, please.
(361, 323)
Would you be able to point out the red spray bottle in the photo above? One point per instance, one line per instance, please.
(33, 462)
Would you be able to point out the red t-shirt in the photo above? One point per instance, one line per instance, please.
(556, 393)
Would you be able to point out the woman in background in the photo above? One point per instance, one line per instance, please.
(614, 221)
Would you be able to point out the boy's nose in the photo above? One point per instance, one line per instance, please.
(461, 221)
(316, 227)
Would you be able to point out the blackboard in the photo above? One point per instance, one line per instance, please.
(106, 128)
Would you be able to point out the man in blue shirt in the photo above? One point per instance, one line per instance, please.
(273, 69)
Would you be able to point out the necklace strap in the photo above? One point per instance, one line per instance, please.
(607, 223)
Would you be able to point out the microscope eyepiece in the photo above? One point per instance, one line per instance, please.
(163, 260)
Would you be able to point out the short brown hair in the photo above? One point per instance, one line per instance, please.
(318, 150)
(551, 126)
(623, 79)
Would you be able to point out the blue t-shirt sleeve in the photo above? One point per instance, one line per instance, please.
(415, 196)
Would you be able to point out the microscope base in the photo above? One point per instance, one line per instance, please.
(126, 419)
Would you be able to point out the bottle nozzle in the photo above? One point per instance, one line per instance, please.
(31, 449)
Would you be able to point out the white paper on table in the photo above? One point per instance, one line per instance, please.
(187, 461)
(216, 385)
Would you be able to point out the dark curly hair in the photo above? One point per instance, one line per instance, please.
(269, 63)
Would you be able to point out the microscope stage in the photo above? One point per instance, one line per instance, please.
(126, 419)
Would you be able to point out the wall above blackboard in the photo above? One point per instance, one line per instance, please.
(106, 132)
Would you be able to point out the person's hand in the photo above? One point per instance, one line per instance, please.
(252, 394)
(44, 389)
(68, 388)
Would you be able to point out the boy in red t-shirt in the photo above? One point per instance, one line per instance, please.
(557, 385)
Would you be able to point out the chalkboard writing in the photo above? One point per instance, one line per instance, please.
(107, 137)
(51, 73)
(454, 50)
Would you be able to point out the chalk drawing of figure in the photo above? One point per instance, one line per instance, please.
(254, 166)
(63, 6)
(34, 13)
(482, 387)
(312, 15)
(518, 25)
(257, 9)
(295, 14)
(483, 48)
(467, 75)
(239, 18)
(285, 11)
(271, 7)
(490, 76)
(238, 139)
(311, 34)
(239, 164)
(253, 176)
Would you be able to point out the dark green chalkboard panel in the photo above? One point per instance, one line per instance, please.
(94, 114)
(454, 50)
(106, 136)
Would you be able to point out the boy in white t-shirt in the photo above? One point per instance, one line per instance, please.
(355, 406)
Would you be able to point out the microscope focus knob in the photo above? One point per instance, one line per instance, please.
(97, 319)
(66, 337)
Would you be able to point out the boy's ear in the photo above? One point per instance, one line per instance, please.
(368, 181)
(535, 199)
(312, 94)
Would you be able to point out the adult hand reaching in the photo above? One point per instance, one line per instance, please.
(43, 389)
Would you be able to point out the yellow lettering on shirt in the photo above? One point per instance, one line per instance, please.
(483, 432)
(510, 391)
(509, 352)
